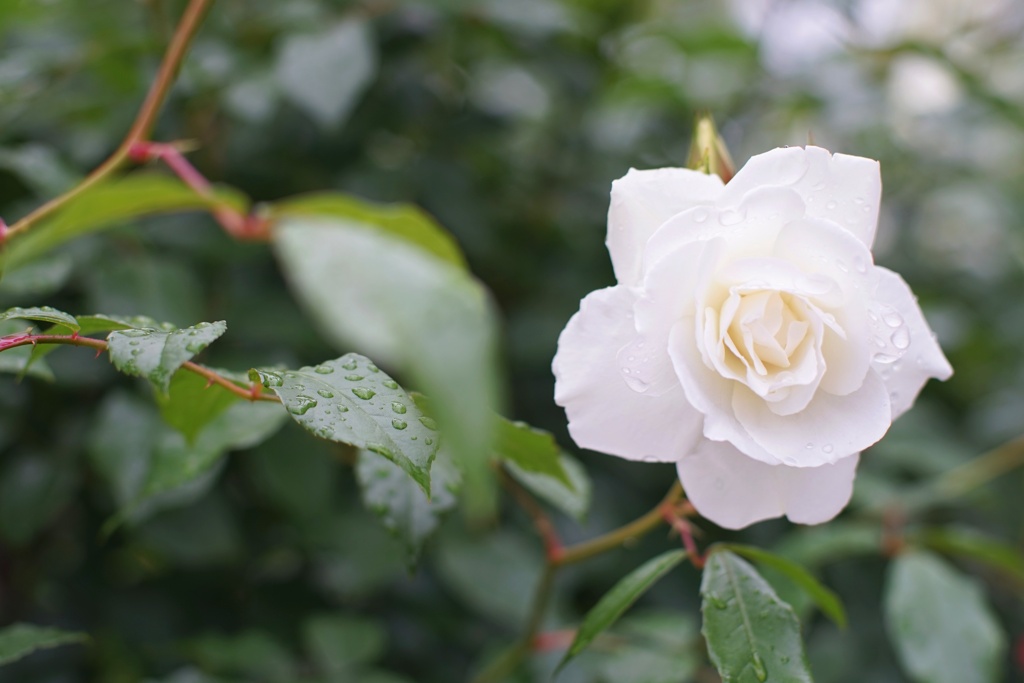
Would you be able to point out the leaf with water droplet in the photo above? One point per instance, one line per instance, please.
(403, 507)
(43, 314)
(160, 353)
(367, 399)
(619, 599)
(756, 636)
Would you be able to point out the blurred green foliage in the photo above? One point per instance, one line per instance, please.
(506, 121)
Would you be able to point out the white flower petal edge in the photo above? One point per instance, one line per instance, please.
(735, 491)
(641, 202)
(604, 413)
(751, 338)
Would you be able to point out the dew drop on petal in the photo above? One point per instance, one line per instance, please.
(827, 448)
(892, 318)
(831, 205)
(730, 217)
(700, 215)
(901, 338)
(859, 264)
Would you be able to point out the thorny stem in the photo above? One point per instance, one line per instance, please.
(559, 556)
(144, 121)
(253, 392)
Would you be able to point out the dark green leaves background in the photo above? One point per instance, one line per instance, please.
(506, 123)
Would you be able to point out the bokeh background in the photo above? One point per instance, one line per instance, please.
(507, 120)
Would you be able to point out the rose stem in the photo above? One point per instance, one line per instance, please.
(252, 393)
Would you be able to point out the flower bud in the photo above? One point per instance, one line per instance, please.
(708, 152)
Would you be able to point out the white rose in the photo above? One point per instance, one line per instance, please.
(751, 339)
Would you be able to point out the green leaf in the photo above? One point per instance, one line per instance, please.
(339, 643)
(43, 314)
(402, 506)
(978, 547)
(826, 600)
(573, 501)
(34, 488)
(650, 647)
(350, 400)
(941, 626)
(191, 403)
(19, 640)
(407, 222)
(20, 361)
(417, 313)
(531, 450)
(619, 599)
(242, 425)
(254, 655)
(107, 205)
(325, 73)
(157, 354)
(752, 635)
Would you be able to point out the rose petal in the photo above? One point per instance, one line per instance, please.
(641, 202)
(829, 428)
(710, 393)
(922, 357)
(841, 188)
(734, 491)
(604, 413)
(823, 247)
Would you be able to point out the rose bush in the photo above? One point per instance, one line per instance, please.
(750, 338)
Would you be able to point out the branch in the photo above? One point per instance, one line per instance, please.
(144, 121)
(254, 392)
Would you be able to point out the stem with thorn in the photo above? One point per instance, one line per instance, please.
(251, 393)
(144, 121)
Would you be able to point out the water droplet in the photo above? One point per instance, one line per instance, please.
(364, 393)
(194, 347)
(730, 217)
(884, 358)
(342, 409)
(901, 338)
(398, 407)
(372, 368)
(390, 384)
(133, 343)
(827, 448)
(399, 424)
(841, 265)
(858, 200)
(349, 364)
(626, 371)
(700, 215)
(136, 352)
(323, 369)
(272, 379)
(759, 668)
(428, 423)
(354, 378)
(302, 405)
(809, 446)
(892, 318)
(859, 264)
(831, 205)
(325, 393)
(717, 602)
(428, 441)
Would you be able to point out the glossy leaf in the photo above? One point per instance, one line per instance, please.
(191, 403)
(415, 312)
(531, 450)
(405, 221)
(350, 400)
(339, 643)
(156, 354)
(752, 635)
(325, 73)
(19, 640)
(826, 600)
(573, 501)
(975, 546)
(402, 506)
(42, 314)
(620, 598)
(107, 205)
(940, 623)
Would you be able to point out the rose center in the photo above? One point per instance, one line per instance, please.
(765, 330)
